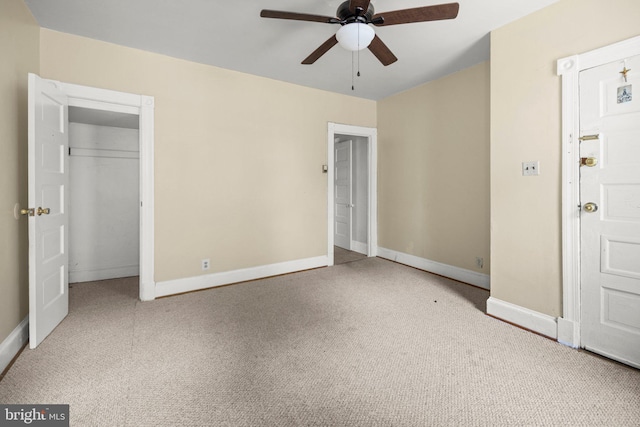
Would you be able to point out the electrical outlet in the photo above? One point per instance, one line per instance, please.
(530, 168)
(206, 263)
(479, 262)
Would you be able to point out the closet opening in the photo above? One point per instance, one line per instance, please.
(104, 195)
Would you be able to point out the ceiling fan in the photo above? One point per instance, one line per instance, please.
(355, 33)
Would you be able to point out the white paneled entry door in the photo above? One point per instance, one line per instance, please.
(610, 214)
(48, 142)
(343, 194)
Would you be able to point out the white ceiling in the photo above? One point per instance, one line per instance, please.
(230, 34)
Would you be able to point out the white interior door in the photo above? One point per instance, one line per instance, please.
(48, 222)
(343, 194)
(610, 215)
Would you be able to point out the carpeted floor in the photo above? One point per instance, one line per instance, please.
(367, 343)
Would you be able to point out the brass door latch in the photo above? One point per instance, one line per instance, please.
(32, 211)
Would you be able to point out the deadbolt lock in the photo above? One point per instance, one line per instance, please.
(588, 161)
(590, 207)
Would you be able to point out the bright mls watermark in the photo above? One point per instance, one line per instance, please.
(34, 415)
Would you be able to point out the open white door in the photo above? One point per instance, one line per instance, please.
(610, 199)
(48, 183)
(343, 194)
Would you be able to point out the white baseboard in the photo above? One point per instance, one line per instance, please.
(178, 286)
(568, 332)
(13, 343)
(529, 319)
(77, 276)
(361, 248)
(456, 273)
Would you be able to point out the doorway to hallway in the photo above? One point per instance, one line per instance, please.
(352, 221)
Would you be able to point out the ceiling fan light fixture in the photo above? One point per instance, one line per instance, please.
(355, 36)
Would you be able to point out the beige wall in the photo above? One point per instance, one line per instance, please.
(433, 173)
(237, 157)
(526, 238)
(19, 55)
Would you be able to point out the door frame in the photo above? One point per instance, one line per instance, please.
(143, 106)
(569, 69)
(372, 210)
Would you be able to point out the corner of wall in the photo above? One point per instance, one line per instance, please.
(523, 317)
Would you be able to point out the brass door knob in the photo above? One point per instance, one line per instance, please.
(45, 211)
(590, 207)
(588, 161)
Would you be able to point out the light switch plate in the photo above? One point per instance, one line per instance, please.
(530, 168)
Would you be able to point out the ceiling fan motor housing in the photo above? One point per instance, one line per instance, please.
(345, 15)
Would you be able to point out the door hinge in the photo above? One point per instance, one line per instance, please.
(589, 137)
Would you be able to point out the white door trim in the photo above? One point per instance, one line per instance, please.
(372, 154)
(109, 100)
(569, 68)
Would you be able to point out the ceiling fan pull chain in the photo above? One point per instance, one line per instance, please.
(358, 50)
(352, 61)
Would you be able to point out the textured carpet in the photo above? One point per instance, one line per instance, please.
(367, 343)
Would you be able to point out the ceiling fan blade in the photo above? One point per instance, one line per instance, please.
(324, 48)
(419, 14)
(382, 52)
(298, 16)
(363, 4)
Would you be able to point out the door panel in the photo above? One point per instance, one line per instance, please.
(52, 244)
(53, 288)
(48, 178)
(610, 236)
(620, 256)
(622, 201)
(343, 195)
(619, 310)
(621, 148)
